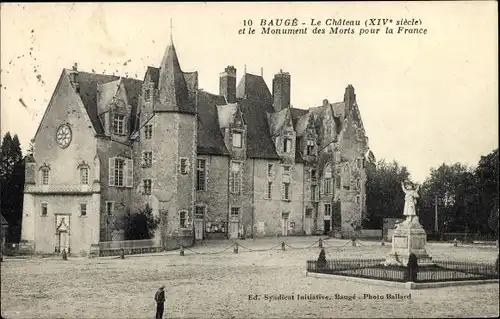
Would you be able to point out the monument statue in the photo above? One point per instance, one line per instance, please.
(411, 196)
(409, 237)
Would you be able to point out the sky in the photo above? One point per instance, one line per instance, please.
(424, 99)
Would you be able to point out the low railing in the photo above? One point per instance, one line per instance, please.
(128, 247)
(19, 249)
(375, 269)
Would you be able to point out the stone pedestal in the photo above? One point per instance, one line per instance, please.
(409, 237)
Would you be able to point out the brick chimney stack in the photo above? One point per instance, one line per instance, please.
(281, 91)
(227, 84)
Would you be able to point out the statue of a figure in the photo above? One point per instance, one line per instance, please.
(411, 196)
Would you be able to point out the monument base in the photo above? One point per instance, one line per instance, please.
(409, 237)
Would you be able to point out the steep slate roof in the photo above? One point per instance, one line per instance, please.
(174, 95)
(210, 139)
(253, 87)
(88, 93)
(259, 142)
(296, 113)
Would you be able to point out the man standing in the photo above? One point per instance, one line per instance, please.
(160, 301)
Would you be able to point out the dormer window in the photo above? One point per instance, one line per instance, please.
(287, 145)
(119, 124)
(237, 139)
(313, 175)
(310, 148)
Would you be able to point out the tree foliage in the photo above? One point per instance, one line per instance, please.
(12, 185)
(384, 196)
(141, 225)
(466, 199)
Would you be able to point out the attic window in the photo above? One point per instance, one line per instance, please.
(119, 124)
(287, 145)
(310, 148)
(237, 142)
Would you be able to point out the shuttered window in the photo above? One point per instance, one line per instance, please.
(121, 172)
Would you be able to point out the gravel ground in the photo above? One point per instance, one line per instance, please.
(218, 285)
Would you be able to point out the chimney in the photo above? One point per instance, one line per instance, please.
(349, 96)
(281, 91)
(227, 84)
(73, 78)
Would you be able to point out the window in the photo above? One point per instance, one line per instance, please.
(269, 170)
(45, 176)
(337, 179)
(200, 175)
(347, 175)
(147, 94)
(308, 213)
(182, 219)
(235, 177)
(237, 139)
(44, 209)
(147, 159)
(358, 162)
(183, 166)
(83, 209)
(110, 208)
(84, 175)
(287, 145)
(148, 131)
(119, 124)
(314, 177)
(147, 187)
(310, 148)
(235, 211)
(357, 200)
(328, 209)
(286, 170)
(286, 191)
(358, 183)
(269, 190)
(200, 212)
(117, 167)
(314, 190)
(328, 186)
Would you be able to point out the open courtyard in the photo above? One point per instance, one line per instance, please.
(208, 284)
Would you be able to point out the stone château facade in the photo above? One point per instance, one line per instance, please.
(239, 163)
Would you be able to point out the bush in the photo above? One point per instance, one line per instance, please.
(321, 262)
(141, 225)
(412, 268)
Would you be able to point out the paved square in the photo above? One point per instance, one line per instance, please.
(219, 285)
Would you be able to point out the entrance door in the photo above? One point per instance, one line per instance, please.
(63, 241)
(233, 229)
(198, 229)
(327, 227)
(285, 224)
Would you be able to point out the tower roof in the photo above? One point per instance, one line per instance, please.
(173, 91)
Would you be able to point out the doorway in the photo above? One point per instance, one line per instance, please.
(233, 229)
(327, 227)
(308, 222)
(63, 241)
(198, 229)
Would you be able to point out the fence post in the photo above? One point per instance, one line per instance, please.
(283, 246)
(235, 248)
(182, 251)
(320, 243)
(122, 254)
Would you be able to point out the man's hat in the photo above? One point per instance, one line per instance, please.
(162, 287)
